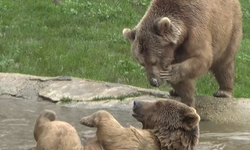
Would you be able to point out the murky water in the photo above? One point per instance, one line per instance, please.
(17, 119)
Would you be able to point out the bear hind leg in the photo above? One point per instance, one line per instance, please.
(224, 71)
(225, 78)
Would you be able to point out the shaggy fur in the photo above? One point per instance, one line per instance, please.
(175, 124)
(167, 125)
(55, 135)
(112, 136)
(180, 40)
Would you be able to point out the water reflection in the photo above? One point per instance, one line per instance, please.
(17, 121)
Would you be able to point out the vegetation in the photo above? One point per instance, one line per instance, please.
(121, 97)
(83, 38)
(103, 98)
(66, 100)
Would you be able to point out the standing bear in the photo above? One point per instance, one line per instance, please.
(180, 40)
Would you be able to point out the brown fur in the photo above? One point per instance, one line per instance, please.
(176, 125)
(55, 135)
(92, 144)
(180, 40)
(112, 136)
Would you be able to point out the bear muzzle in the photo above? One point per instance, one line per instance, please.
(137, 110)
(155, 82)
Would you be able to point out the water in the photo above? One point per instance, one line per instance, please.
(17, 119)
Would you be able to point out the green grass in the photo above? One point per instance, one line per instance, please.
(83, 38)
(121, 97)
(66, 100)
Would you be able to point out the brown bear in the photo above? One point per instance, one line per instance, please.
(180, 40)
(175, 124)
(111, 135)
(55, 135)
(167, 125)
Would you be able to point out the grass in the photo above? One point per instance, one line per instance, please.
(83, 38)
(121, 97)
(103, 98)
(66, 100)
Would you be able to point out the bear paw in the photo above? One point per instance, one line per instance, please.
(223, 94)
(173, 74)
(173, 93)
(86, 121)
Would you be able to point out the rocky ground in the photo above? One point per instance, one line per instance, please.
(76, 92)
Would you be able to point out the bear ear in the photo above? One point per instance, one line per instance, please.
(164, 25)
(129, 34)
(167, 29)
(190, 120)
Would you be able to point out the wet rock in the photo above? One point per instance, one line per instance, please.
(18, 86)
(84, 90)
(87, 94)
(223, 110)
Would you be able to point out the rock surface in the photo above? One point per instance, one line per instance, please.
(75, 92)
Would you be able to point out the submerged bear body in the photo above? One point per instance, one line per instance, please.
(167, 125)
(52, 134)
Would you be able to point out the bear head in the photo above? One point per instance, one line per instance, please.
(168, 113)
(175, 124)
(153, 46)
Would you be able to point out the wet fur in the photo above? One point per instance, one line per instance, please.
(175, 124)
(55, 135)
(168, 124)
(111, 135)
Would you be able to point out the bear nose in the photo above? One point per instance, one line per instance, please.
(154, 82)
(137, 104)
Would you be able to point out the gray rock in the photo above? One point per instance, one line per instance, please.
(87, 94)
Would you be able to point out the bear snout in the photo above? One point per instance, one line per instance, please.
(137, 110)
(136, 104)
(154, 82)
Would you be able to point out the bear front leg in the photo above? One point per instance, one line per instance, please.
(185, 89)
(88, 121)
(181, 77)
(174, 74)
(172, 92)
(197, 57)
(189, 69)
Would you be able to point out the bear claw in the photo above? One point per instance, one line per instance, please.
(173, 93)
(84, 121)
(223, 94)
